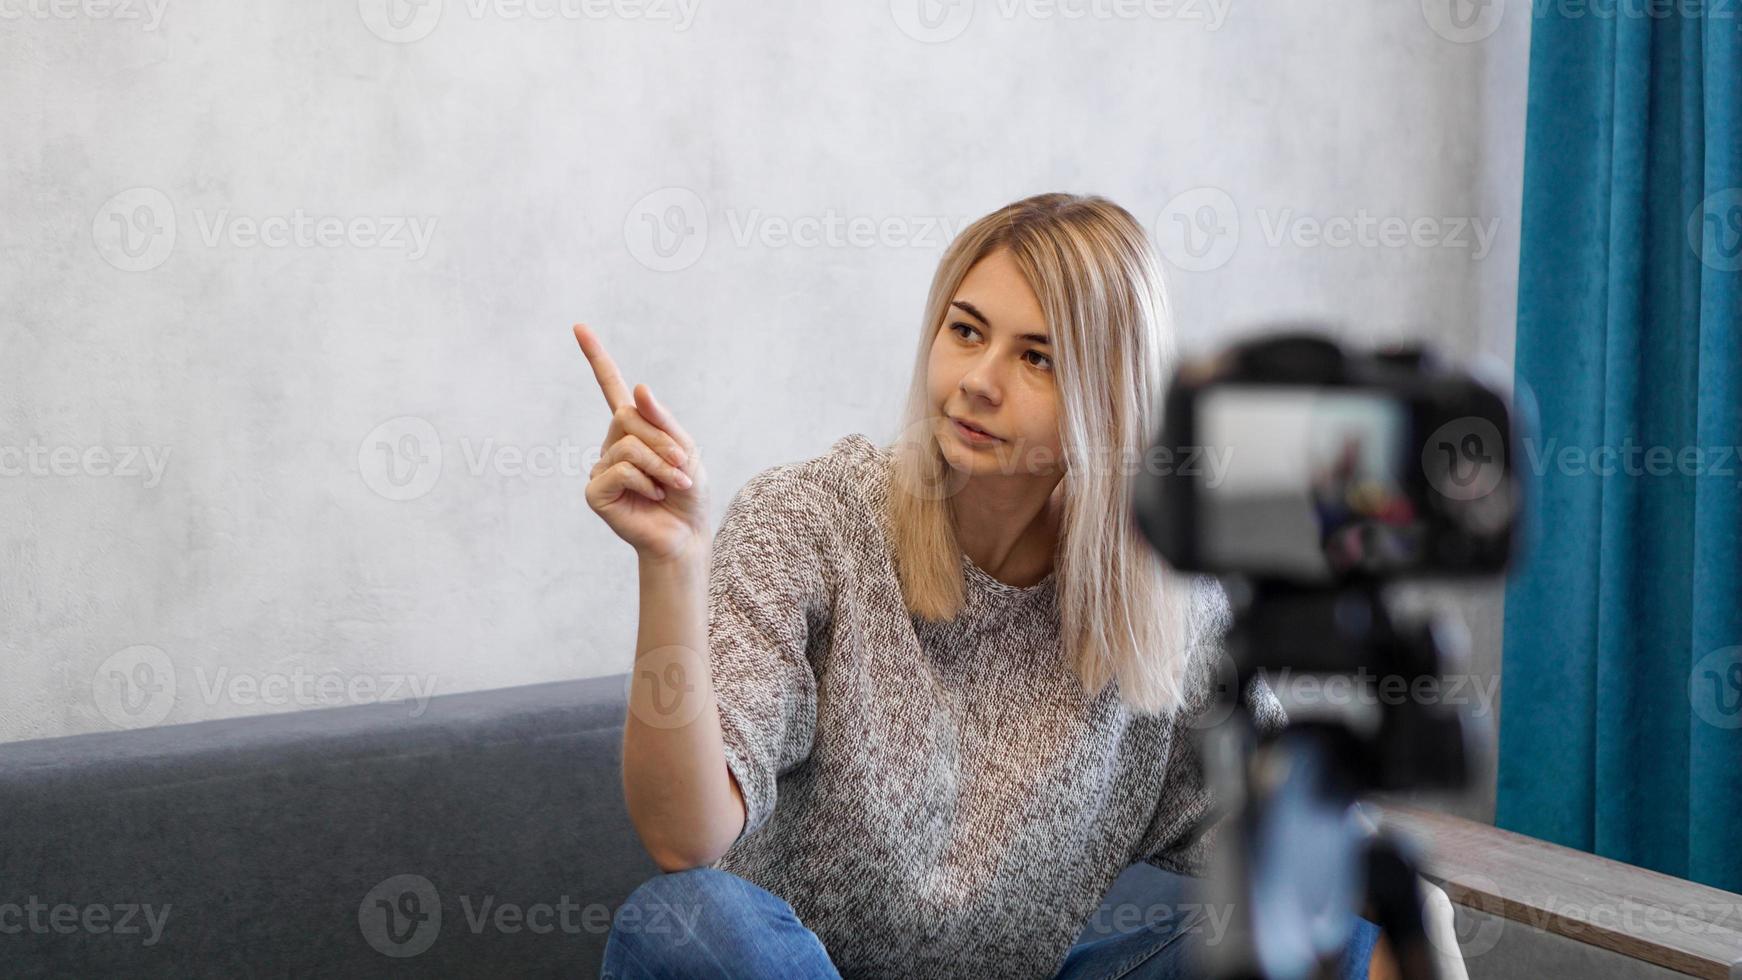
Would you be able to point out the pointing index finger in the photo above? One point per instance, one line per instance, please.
(604, 369)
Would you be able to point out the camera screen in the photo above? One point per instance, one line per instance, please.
(1305, 482)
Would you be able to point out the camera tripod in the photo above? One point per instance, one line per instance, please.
(1296, 857)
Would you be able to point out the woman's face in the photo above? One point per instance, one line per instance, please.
(991, 364)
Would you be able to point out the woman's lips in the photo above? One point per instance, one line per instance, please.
(972, 435)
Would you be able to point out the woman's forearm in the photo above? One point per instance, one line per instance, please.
(681, 799)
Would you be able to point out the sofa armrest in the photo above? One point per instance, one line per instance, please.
(1653, 918)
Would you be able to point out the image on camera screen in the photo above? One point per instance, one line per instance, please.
(1312, 484)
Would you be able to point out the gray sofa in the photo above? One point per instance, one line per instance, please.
(485, 835)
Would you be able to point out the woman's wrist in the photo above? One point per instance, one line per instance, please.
(686, 564)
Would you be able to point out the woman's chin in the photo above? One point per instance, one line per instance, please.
(958, 458)
(970, 462)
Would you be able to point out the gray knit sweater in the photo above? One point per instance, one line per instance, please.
(933, 800)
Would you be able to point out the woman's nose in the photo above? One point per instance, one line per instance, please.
(978, 384)
(982, 378)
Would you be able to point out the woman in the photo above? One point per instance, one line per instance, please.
(953, 663)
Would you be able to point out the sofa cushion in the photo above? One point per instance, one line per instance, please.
(323, 842)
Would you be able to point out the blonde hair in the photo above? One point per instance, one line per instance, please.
(1123, 614)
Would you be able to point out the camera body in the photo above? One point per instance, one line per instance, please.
(1319, 466)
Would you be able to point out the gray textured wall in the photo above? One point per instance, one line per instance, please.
(262, 266)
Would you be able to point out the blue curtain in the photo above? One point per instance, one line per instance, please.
(1621, 713)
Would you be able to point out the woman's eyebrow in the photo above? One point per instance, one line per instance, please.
(974, 312)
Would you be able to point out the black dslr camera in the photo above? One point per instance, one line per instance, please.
(1333, 473)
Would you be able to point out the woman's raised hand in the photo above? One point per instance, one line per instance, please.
(649, 485)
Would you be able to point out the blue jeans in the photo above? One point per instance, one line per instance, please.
(705, 922)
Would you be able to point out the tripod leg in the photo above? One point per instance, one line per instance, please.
(1397, 906)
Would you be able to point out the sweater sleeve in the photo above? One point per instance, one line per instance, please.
(766, 604)
(1186, 796)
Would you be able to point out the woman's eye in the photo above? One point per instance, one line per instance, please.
(959, 327)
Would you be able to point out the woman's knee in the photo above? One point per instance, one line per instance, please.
(655, 931)
(689, 885)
